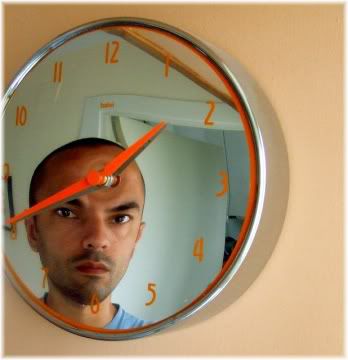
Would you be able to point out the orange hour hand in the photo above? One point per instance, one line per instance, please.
(66, 194)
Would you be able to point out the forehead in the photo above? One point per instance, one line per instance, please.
(71, 165)
(83, 156)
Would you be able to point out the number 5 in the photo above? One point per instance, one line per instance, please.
(151, 287)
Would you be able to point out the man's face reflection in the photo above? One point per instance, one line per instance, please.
(86, 244)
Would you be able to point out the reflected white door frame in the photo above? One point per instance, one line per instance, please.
(154, 109)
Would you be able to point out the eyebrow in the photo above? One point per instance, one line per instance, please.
(122, 207)
(125, 206)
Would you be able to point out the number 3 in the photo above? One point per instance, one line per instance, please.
(224, 183)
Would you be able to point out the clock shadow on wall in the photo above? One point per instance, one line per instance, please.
(207, 212)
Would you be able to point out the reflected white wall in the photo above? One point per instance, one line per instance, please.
(181, 177)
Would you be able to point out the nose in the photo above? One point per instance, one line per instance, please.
(96, 235)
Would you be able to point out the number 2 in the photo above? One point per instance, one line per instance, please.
(207, 120)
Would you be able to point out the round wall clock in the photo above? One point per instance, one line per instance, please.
(143, 170)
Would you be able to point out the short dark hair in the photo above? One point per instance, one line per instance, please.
(86, 143)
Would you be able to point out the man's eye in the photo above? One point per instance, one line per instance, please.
(64, 212)
(121, 219)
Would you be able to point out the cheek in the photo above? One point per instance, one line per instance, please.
(120, 234)
(125, 236)
(59, 233)
(122, 245)
(55, 242)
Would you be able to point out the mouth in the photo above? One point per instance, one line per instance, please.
(91, 267)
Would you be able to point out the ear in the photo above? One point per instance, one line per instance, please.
(32, 233)
(140, 231)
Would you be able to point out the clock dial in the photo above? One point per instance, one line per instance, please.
(116, 81)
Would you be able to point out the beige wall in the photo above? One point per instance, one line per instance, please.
(295, 306)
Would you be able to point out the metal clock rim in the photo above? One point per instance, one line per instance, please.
(258, 147)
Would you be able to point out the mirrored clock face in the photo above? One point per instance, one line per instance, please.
(153, 245)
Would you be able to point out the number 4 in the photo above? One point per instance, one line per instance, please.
(198, 249)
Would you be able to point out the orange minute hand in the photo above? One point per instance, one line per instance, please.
(122, 160)
(94, 179)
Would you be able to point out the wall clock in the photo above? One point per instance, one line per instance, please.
(143, 171)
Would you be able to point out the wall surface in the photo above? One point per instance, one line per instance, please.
(295, 306)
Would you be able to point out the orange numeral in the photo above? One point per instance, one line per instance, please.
(207, 120)
(151, 287)
(21, 116)
(224, 182)
(13, 231)
(44, 280)
(6, 171)
(57, 72)
(198, 249)
(94, 303)
(111, 58)
(107, 105)
(166, 68)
